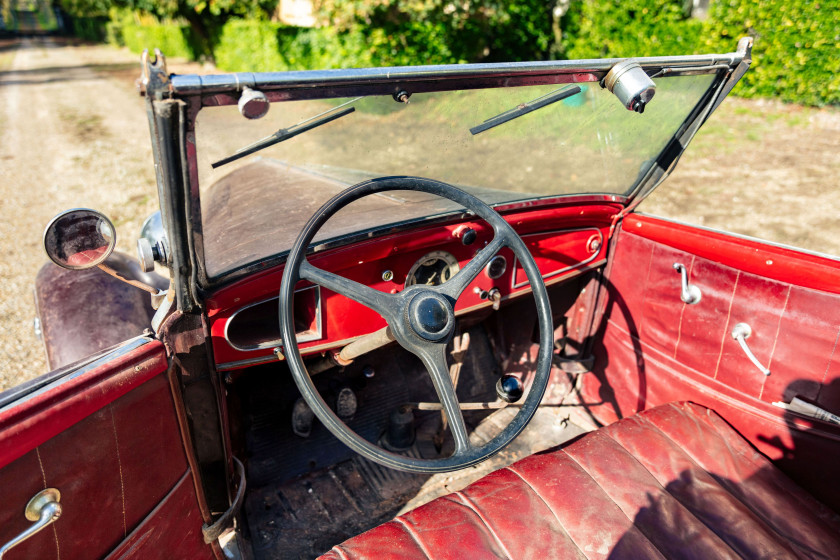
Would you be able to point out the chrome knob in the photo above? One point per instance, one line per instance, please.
(253, 104)
(510, 388)
(146, 255)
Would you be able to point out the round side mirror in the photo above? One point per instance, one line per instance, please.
(80, 238)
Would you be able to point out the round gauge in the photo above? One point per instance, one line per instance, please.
(433, 269)
(496, 267)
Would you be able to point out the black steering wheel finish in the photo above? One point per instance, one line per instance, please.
(422, 320)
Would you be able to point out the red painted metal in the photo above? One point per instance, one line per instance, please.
(344, 319)
(176, 516)
(39, 418)
(778, 263)
(113, 467)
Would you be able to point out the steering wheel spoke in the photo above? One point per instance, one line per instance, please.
(434, 358)
(458, 283)
(369, 297)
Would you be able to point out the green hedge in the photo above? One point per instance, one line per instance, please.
(265, 46)
(248, 45)
(89, 29)
(172, 39)
(796, 56)
(623, 28)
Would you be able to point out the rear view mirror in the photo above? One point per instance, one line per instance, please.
(80, 238)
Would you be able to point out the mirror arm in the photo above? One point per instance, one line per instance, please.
(133, 281)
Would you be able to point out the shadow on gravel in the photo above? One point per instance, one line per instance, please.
(63, 74)
(46, 40)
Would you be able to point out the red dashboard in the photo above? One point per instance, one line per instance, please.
(565, 241)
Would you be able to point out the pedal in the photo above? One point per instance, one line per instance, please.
(302, 418)
(346, 404)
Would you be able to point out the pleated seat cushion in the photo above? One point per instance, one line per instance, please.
(675, 481)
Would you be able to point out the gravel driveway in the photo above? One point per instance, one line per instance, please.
(73, 133)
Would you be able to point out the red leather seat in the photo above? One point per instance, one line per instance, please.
(675, 481)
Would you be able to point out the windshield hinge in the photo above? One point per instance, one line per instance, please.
(154, 77)
(616, 219)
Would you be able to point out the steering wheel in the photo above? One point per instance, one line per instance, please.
(422, 320)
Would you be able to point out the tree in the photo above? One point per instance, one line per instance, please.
(205, 17)
(477, 30)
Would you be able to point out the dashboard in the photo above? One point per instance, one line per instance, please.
(565, 241)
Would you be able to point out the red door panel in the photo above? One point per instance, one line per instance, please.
(810, 338)
(759, 303)
(661, 314)
(700, 336)
(108, 440)
(149, 541)
(655, 349)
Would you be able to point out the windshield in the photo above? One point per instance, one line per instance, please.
(551, 140)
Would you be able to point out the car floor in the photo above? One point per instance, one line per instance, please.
(306, 494)
(306, 516)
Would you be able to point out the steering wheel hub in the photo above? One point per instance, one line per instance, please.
(431, 316)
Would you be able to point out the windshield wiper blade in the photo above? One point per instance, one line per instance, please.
(525, 108)
(285, 133)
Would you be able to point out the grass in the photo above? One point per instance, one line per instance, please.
(740, 125)
(6, 60)
(86, 127)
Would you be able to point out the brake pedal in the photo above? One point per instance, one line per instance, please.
(302, 418)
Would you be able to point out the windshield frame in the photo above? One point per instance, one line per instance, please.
(179, 188)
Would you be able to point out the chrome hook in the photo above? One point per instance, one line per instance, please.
(689, 293)
(741, 333)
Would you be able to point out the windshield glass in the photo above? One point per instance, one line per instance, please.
(253, 206)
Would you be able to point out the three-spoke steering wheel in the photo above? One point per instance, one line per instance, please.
(422, 320)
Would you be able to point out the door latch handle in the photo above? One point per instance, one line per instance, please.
(43, 509)
(689, 293)
(741, 332)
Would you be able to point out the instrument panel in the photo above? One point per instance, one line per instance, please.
(244, 316)
(432, 269)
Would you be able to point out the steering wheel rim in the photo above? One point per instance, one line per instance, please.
(408, 314)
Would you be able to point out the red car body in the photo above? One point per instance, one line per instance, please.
(145, 440)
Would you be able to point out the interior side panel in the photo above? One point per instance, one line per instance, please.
(113, 467)
(652, 348)
(149, 542)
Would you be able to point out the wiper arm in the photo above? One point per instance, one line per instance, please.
(525, 108)
(285, 133)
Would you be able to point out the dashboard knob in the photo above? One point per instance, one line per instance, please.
(495, 296)
(467, 235)
(509, 388)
